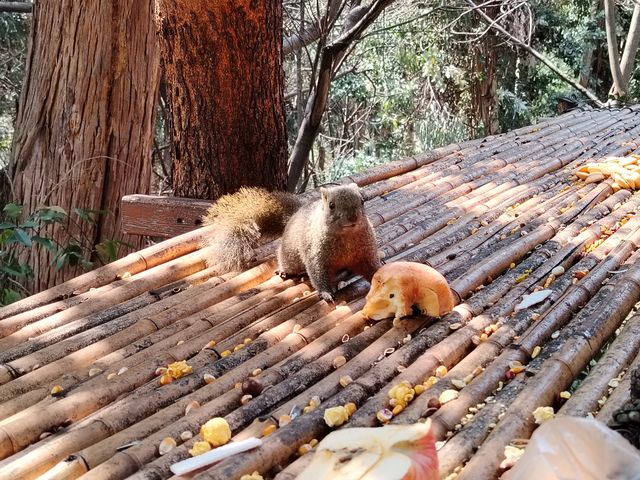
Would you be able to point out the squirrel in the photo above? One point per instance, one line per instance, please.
(323, 237)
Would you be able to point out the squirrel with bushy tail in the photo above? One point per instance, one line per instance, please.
(322, 238)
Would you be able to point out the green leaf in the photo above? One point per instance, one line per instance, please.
(45, 242)
(12, 210)
(22, 237)
(28, 224)
(5, 225)
(8, 295)
(59, 260)
(90, 215)
(50, 215)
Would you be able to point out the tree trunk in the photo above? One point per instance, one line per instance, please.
(484, 87)
(84, 129)
(223, 65)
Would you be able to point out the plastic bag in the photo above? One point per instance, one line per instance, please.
(571, 448)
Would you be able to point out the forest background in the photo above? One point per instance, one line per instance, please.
(418, 76)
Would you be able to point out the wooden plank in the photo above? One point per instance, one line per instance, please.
(161, 216)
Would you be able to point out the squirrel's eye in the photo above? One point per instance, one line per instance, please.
(362, 201)
(332, 205)
(392, 295)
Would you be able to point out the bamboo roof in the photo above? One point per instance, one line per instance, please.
(496, 216)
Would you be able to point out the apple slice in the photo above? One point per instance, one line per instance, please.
(392, 452)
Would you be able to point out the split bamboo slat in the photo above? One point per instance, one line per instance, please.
(501, 217)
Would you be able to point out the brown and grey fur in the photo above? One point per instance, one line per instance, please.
(322, 238)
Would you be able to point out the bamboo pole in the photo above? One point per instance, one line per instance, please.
(617, 358)
(621, 394)
(457, 449)
(486, 352)
(557, 373)
(38, 461)
(75, 327)
(426, 365)
(143, 326)
(15, 332)
(131, 264)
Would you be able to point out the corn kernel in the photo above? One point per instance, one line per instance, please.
(304, 449)
(350, 408)
(179, 369)
(199, 448)
(226, 353)
(56, 389)
(284, 420)
(397, 409)
(268, 430)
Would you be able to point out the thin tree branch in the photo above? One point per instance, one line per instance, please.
(485, 18)
(612, 46)
(16, 7)
(631, 45)
(318, 98)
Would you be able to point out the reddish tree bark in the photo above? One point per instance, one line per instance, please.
(223, 64)
(84, 130)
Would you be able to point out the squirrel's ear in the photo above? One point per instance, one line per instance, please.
(324, 192)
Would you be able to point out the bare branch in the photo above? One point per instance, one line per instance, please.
(314, 32)
(16, 7)
(330, 56)
(631, 45)
(612, 46)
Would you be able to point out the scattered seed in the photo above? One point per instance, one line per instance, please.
(401, 368)
(252, 387)
(186, 435)
(226, 353)
(122, 370)
(245, 399)
(557, 271)
(161, 371)
(536, 352)
(397, 410)
(388, 351)
(555, 334)
(339, 361)
(44, 435)
(190, 406)
(304, 449)
(441, 371)
(455, 326)
(346, 380)
(238, 347)
(406, 339)
(350, 408)
(199, 448)
(419, 389)
(345, 338)
(94, 371)
(256, 372)
(284, 420)
(447, 396)
(208, 378)
(56, 390)
(566, 395)
(112, 375)
(211, 344)
(459, 384)
(180, 343)
(166, 445)
(315, 401)
(269, 429)
(384, 415)
(614, 382)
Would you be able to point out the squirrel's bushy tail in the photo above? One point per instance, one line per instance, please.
(242, 221)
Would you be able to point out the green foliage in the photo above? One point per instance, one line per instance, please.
(13, 45)
(19, 235)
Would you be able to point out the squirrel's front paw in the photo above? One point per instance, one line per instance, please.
(327, 296)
